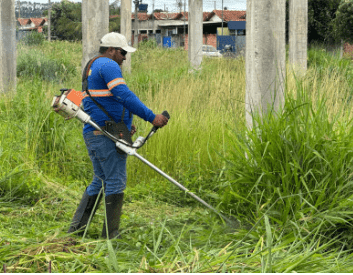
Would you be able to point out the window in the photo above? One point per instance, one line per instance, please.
(241, 32)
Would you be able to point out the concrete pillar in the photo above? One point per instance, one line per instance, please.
(298, 35)
(95, 24)
(265, 56)
(125, 29)
(195, 33)
(7, 46)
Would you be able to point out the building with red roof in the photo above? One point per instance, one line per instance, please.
(32, 24)
(175, 25)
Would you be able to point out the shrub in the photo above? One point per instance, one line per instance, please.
(33, 39)
(148, 44)
(34, 63)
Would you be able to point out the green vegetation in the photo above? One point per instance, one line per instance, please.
(289, 180)
(67, 20)
(321, 15)
(33, 39)
(31, 62)
(344, 21)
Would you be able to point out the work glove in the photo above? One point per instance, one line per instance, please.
(160, 121)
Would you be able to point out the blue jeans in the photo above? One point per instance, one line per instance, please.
(109, 167)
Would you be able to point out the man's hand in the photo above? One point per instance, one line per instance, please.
(133, 130)
(160, 121)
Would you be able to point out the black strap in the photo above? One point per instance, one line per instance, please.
(85, 75)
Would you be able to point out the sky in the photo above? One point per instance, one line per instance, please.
(208, 5)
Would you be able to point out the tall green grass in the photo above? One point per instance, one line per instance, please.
(296, 168)
(288, 179)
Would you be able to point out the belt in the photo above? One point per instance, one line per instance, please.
(97, 132)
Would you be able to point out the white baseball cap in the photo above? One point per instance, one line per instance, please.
(116, 40)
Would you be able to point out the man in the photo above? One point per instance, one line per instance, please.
(107, 86)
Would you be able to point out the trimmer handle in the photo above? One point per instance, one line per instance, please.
(166, 114)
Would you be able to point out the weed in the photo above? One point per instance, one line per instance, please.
(33, 63)
(33, 39)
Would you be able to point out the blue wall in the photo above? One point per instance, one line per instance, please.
(237, 25)
(237, 42)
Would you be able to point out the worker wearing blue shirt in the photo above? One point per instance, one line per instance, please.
(107, 86)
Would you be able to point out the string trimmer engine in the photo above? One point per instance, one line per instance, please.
(68, 105)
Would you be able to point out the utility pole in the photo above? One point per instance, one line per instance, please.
(265, 57)
(298, 35)
(195, 33)
(184, 22)
(49, 21)
(125, 27)
(7, 46)
(215, 5)
(222, 17)
(95, 24)
(19, 8)
(153, 22)
(136, 36)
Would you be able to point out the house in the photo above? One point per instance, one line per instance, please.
(171, 29)
(27, 25)
(32, 24)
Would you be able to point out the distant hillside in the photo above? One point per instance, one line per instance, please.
(27, 9)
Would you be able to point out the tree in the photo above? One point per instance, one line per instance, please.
(114, 24)
(344, 21)
(114, 9)
(67, 20)
(321, 15)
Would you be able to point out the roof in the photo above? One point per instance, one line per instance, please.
(142, 16)
(36, 21)
(228, 15)
(114, 16)
(23, 21)
(165, 15)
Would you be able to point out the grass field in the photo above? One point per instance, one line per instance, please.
(288, 181)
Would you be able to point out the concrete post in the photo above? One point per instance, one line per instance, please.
(265, 57)
(95, 24)
(298, 35)
(125, 27)
(195, 33)
(7, 46)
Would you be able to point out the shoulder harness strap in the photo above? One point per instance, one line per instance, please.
(85, 75)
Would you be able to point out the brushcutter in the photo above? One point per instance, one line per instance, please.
(68, 105)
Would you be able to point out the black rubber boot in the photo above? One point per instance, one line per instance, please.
(113, 206)
(83, 212)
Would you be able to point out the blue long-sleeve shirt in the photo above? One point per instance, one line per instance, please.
(106, 84)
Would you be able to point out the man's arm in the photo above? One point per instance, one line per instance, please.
(111, 74)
